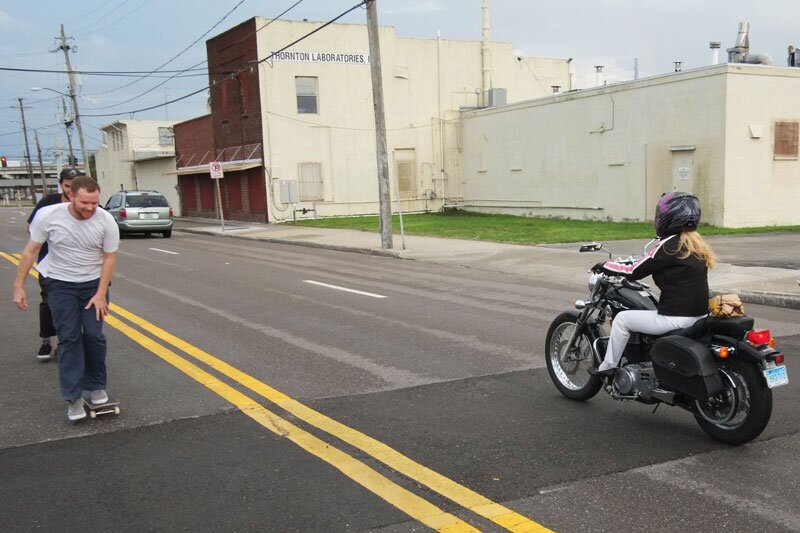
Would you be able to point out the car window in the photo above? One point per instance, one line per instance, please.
(113, 202)
(146, 201)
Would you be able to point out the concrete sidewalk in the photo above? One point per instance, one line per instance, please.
(746, 265)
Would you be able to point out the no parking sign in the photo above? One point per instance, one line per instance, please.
(216, 170)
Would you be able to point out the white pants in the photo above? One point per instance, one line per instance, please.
(647, 322)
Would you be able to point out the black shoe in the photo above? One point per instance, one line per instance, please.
(45, 350)
(607, 373)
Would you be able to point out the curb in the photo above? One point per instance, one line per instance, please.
(773, 299)
(335, 247)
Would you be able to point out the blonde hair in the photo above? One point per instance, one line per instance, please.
(692, 243)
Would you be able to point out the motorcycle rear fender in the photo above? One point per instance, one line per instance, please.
(750, 353)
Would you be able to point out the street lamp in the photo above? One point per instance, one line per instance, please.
(74, 99)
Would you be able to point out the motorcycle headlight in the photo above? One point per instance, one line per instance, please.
(593, 281)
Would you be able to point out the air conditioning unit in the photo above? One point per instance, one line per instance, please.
(496, 97)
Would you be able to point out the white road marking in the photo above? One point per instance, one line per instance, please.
(371, 295)
(165, 251)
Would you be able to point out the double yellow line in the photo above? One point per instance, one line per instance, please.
(406, 501)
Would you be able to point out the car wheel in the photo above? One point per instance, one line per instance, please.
(167, 234)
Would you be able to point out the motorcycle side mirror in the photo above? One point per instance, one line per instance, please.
(592, 247)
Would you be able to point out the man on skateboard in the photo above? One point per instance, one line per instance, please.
(83, 243)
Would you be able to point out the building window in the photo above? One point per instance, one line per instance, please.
(406, 167)
(166, 137)
(306, 87)
(116, 139)
(309, 181)
(786, 140)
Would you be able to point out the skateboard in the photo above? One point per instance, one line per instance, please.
(111, 406)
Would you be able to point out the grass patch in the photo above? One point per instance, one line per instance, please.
(516, 230)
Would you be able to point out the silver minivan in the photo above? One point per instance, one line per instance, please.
(141, 212)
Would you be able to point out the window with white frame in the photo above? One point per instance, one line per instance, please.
(307, 91)
(309, 181)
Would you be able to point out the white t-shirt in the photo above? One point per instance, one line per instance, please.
(75, 247)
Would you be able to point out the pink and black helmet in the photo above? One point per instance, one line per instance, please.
(676, 212)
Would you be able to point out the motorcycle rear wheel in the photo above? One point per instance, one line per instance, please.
(568, 371)
(739, 414)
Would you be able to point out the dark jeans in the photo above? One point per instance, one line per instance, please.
(46, 327)
(81, 343)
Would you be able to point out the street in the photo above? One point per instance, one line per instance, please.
(284, 388)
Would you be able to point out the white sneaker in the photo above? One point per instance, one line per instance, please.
(99, 396)
(75, 410)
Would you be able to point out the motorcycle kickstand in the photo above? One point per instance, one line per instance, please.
(655, 408)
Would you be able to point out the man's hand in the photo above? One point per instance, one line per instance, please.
(20, 299)
(100, 306)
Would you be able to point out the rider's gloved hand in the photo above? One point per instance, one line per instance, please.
(598, 267)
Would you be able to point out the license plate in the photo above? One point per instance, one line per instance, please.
(148, 215)
(776, 376)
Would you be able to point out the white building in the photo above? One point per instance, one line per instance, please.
(310, 108)
(138, 154)
(726, 133)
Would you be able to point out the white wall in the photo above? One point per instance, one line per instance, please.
(602, 153)
(158, 175)
(760, 190)
(115, 161)
(423, 80)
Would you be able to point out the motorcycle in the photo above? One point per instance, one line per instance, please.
(721, 370)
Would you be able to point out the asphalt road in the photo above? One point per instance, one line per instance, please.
(258, 395)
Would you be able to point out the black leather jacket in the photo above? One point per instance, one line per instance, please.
(683, 282)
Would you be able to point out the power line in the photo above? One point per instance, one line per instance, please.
(233, 74)
(204, 61)
(90, 12)
(157, 69)
(106, 73)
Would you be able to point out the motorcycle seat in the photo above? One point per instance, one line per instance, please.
(707, 327)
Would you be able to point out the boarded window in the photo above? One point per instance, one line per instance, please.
(306, 94)
(166, 137)
(406, 165)
(309, 181)
(786, 140)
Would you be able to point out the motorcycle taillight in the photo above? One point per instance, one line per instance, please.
(759, 337)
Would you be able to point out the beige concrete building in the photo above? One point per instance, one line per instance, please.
(138, 154)
(317, 113)
(727, 133)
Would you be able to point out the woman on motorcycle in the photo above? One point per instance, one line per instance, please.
(679, 265)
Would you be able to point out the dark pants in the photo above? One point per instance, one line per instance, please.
(81, 343)
(46, 327)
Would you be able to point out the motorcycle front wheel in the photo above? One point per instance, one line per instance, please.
(568, 369)
(742, 411)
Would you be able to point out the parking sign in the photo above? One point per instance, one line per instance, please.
(216, 170)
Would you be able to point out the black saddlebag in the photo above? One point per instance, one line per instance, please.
(686, 365)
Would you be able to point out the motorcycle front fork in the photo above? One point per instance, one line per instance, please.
(580, 324)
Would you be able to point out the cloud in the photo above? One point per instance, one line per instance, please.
(5, 20)
(416, 7)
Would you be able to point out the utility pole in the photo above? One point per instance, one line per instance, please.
(41, 165)
(68, 126)
(27, 151)
(384, 197)
(65, 48)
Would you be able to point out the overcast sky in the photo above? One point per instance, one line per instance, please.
(141, 35)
